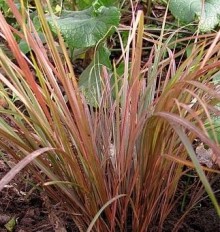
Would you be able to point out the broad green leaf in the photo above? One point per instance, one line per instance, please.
(185, 10)
(25, 47)
(3, 5)
(90, 79)
(36, 23)
(211, 16)
(86, 28)
(189, 10)
(5, 9)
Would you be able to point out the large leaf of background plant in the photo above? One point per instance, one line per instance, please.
(82, 4)
(85, 28)
(189, 10)
(90, 79)
(3, 5)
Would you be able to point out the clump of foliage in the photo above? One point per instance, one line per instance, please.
(83, 30)
(115, 167)
(205, 12)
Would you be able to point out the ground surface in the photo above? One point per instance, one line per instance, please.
(202, 218)
(33, 212)
(21, 202)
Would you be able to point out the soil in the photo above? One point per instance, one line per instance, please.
(23, 204)
(202, 218)
(31, 211)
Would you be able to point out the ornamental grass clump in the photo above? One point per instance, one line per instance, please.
(115, 167)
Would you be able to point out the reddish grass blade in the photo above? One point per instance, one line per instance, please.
(22, 164)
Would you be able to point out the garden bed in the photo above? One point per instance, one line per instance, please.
(34, 212)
